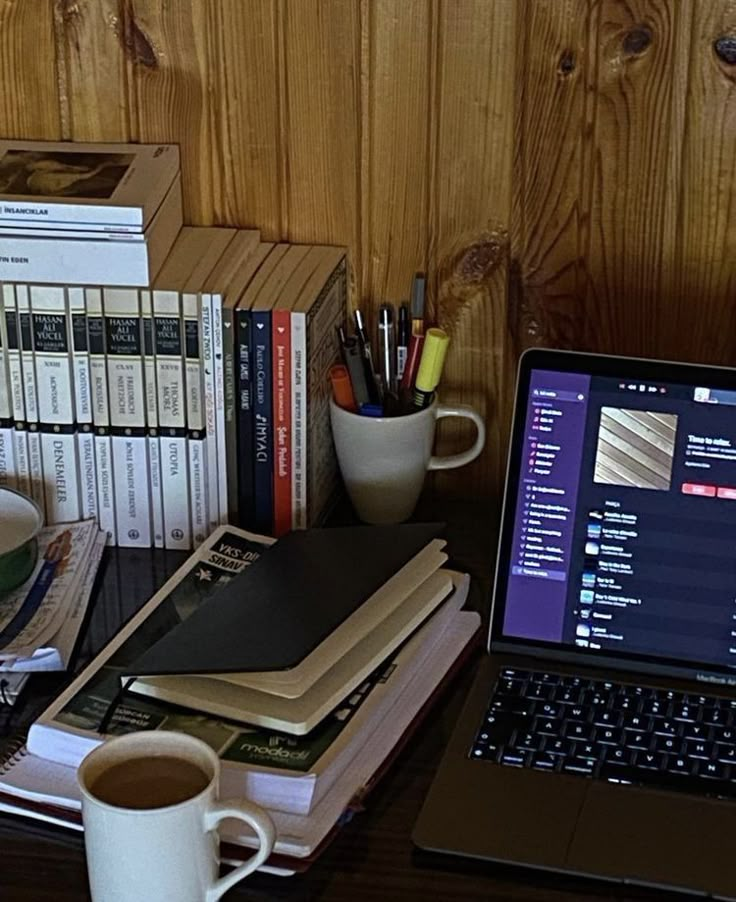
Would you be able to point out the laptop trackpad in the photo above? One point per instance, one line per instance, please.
(656, 838)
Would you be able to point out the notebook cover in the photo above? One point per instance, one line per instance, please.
(278, 610)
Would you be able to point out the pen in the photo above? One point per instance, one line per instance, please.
(430, 366)
(418, 290)
(402, 342)
(355, 365)
(342, 388)
(374, 388)
(413, 355)
(386, 348)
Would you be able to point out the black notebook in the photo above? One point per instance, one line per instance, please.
(277, 611)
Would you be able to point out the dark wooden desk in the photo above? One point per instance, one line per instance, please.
(372, 857)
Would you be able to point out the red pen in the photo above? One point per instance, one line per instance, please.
(413, 355)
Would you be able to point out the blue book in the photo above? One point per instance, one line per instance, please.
(245, 431)
(262, 422)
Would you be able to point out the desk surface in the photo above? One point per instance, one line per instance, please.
(372, 857)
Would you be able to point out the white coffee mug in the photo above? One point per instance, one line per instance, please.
(166, 854)
(383, 460)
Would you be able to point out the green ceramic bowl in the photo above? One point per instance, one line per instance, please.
(20, 523)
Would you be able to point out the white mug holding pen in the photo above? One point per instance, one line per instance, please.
(384, 460)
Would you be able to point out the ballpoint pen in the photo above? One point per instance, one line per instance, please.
(402, 340)
(386, 348)
(374, 386)
(436, 342)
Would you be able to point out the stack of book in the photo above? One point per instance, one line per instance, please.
(304, 713)
(165, 396)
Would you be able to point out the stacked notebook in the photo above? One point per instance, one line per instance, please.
(305, 671)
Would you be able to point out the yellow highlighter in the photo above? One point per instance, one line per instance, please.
(430, 367)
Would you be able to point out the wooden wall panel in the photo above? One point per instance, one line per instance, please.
(701, 308)
(563, 169)
(30, 99)
(470, 207)
(395, 124)
(321, 121)
(549, 177)
(94, 70)
(630, 207)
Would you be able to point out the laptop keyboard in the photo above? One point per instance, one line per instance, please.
(619, 732)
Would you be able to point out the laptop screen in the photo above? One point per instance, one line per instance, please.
(620, 522)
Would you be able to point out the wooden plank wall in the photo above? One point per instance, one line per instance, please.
(562, 169)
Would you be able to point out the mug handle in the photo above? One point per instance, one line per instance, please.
(258, 820)
(449, 461)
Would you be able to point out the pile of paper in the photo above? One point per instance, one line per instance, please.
(40, 621)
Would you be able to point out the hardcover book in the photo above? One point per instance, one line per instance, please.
(87, 186)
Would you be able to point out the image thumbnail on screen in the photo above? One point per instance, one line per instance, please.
(635, 448)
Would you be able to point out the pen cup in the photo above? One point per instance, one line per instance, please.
(383, 460)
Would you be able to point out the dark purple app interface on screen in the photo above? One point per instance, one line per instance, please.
(624, 536)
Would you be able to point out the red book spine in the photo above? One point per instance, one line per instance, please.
(281, 355)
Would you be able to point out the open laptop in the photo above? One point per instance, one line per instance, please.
(599, 737)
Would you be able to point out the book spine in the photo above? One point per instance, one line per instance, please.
(281, 355)
(7, 458)
(154, 451)
(208, 353)
(298, 420)
(169, 352)
(30, 398)
(77, 309)
(97, 346)
(196, 426)
(88, 262)
(229, 382)
(327, 313)
(126, 389)
(219, 379)
(262, 421)
(44, 212)
(55, 386)
(244, 405)
(15, 389)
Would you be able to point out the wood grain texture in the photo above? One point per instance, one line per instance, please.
(547, 216)
(94, 70)
(395, 121)
(470, 207)
(563, 169)
(30, 102)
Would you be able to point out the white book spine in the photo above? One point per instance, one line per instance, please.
(73, 261)
(61, 479)
(209, 412)
(20, 455)
(127, 398)
(55, 388)
(175, 483)
(28, 211)
(196, 424)
(14, 379)
(172, 418)
(87, 472)
(197, 454)
(30, 398)
(7, 420)
(100, 413)
(298, 420)
(132, 507)
(220, 406)
(7, 455)
(154, 454)
(77, 311)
